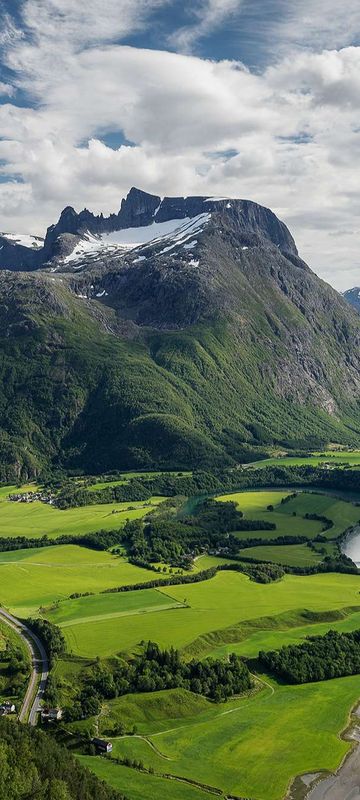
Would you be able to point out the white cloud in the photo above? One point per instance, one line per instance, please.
(206, 18)
(292, 131)
(311, 25)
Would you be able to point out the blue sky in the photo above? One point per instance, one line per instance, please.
(243, 98)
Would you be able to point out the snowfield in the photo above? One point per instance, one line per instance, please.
(175, 231)
(24, 239)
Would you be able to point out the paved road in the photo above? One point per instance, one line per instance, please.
(40, 668)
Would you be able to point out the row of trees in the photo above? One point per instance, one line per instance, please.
(318, 658)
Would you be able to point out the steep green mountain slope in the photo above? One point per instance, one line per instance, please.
(175, 356)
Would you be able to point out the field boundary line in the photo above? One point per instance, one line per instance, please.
(116, 614)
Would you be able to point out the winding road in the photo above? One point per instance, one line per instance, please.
(40, 668)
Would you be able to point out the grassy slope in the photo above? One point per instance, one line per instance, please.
(223, 601)
(154, 711)
(289, 631)
(139, 786)
(255, 750)
(30, 579)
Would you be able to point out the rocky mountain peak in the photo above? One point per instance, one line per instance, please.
(140, 209)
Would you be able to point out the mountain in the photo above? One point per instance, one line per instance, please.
(178, 332)
(20, 251)
(85, 232)
(352, 296)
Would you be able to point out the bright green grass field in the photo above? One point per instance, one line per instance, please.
(254, 506)
(215, 604)
(109, 606)
(5, 490)
(140, 786)
(30, 578)
(297, 555)
(34, 520)
(342, 513)
(254, 747)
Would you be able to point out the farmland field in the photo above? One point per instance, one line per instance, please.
(351, 458)
(246, 747)
(109, 606)
(251, 747)
(298, 555)
(140, 786)
(214, 605)
(254, 506)
(38, 519)
(289, 517)
(30, 579)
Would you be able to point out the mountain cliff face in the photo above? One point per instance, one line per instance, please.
(179, 332)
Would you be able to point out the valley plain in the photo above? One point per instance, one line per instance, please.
(175, 741)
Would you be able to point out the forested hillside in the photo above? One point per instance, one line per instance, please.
(32, 765)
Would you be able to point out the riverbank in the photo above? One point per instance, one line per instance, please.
(344, 784)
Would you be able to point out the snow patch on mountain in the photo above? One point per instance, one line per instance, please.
(24, 239)
(175, 231)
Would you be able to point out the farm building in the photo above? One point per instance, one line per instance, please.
(102, 745)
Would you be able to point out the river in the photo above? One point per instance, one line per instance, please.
(350, 546)
(342, 785)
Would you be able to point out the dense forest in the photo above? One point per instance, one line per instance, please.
(155, 669)
(33, 765)
(318, 658)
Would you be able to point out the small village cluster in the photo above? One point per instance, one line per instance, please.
(30, 497)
